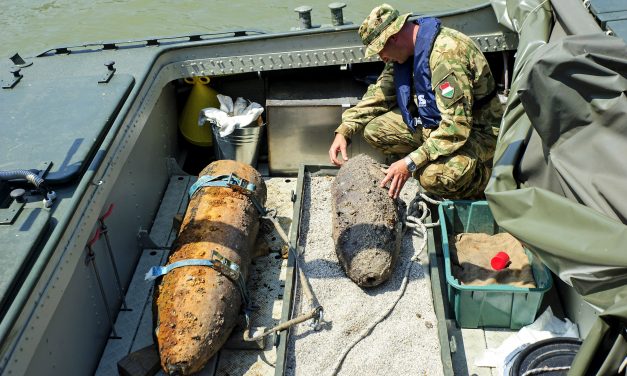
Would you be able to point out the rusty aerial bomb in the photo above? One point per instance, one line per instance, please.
(367, 224)
(196, 307)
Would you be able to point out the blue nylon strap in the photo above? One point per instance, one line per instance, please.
(218, 263)
(158, 271)
(226, 181)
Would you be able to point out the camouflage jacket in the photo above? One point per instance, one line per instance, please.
(455, 60)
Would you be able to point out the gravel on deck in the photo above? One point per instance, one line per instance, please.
(404, 343)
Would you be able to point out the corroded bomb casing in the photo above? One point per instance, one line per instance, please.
(196, 307)
(367, 226)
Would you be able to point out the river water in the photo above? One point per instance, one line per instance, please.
(30, 27)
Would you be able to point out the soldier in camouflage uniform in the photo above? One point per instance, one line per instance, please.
(452, 159)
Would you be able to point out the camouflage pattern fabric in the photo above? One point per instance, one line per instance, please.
(454, 160)
(382, 22)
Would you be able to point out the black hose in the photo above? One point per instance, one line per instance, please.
(30, 176)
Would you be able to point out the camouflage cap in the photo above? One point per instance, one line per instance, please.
(383, 22)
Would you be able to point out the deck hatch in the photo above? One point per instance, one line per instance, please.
(76, 113)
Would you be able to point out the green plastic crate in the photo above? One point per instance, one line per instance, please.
(499, 306)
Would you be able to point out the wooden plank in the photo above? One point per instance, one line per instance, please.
(470, 345)
(612, 16)
(138, 297)
(266, 281)
(619, 28)
(494, 337)
(135, 326)
(144, 362)
(606, 6)
(475, 345)
(174, 202)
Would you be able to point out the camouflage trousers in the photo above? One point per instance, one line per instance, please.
(461, 175)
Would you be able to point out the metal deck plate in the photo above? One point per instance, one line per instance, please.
(42, 125)
(612, 14)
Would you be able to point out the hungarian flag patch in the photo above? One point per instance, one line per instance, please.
(447, 90)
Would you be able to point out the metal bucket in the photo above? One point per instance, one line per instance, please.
(242, 145)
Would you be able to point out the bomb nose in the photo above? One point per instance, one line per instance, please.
(370, 281)
(176, 369)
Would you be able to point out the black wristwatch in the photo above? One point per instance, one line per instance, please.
(411, 166)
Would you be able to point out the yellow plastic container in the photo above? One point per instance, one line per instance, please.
(202, 96)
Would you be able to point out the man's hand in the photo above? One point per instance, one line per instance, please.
(339, 144)
(397, 174)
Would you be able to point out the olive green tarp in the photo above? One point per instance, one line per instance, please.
(560, 176)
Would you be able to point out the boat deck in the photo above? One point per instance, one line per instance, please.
(266, 285)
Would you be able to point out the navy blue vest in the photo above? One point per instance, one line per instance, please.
(418, 68)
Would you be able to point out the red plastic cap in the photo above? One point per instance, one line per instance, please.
(500, 261)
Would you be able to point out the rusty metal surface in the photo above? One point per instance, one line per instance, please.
(197, 307)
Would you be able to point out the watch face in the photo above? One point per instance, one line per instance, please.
(411, 166)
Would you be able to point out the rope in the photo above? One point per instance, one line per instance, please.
(306, 286)
(529, 14)
(317, 311)
(416, 222)
(419, 207)
(537, 371)
(430, 200)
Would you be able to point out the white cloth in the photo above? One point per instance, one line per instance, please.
(545, 326)
(231, 115)
(226, 103)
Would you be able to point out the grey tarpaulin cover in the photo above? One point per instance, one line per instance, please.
(559, 182)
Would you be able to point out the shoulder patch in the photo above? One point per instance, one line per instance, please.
(448, 90)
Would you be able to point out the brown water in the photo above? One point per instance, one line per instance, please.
(30, 27)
